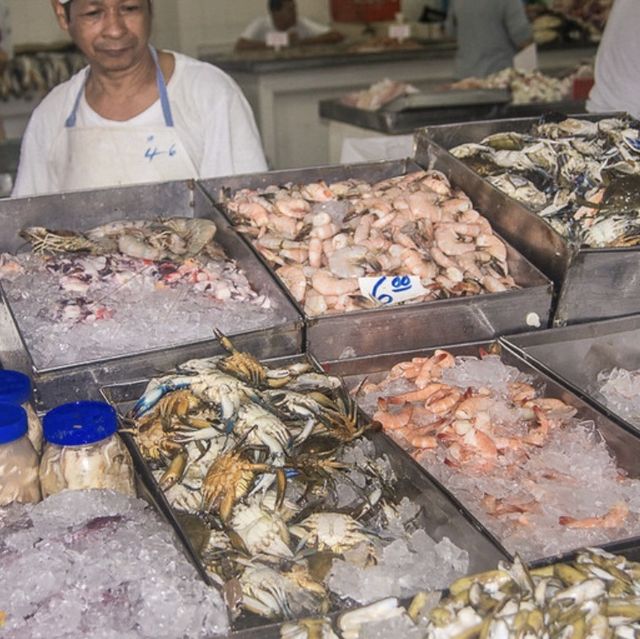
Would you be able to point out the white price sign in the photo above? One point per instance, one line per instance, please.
(399, 32)
(391, 290)
(277, 39)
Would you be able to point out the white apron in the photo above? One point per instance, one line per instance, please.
(112, 156)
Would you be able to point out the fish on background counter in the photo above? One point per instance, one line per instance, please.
(378, 94)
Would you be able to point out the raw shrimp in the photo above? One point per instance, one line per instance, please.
(614, 518)
(295, 280)
(447, 238)
(292, 207)
(392, 421)
(493, 245)
(422, 206)
(422, 394)
(326, 284)
(347, 262)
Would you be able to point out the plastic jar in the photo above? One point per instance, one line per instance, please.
(18, 458)
(82, 450)
(15, 388)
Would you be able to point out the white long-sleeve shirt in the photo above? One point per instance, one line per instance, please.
(617, 72)
(211, 115)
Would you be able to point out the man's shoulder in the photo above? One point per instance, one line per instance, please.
(58, 103)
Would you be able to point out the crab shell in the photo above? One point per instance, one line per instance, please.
(262, 531)
(330, 531)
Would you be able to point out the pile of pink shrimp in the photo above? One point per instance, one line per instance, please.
(321, 238)
(521, 462)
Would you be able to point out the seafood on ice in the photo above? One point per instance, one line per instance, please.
(582, 177)
(78, 294)
(281, 493)
(378, 94)
(322, 238)
(522, 462)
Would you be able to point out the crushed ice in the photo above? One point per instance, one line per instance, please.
(572, 475)
(620, 389)
(102, 565)
(78, 308)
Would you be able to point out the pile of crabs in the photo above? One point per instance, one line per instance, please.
(581, 177)
(273, 477)
(322, 238)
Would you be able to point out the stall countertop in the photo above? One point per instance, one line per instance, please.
(296, 58)
(299, 58)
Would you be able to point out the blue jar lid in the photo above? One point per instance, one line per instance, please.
(79, 423)
(13, 422)
(15, 387)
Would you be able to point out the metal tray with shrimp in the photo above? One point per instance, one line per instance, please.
(81, 211)
(577, 355)
(410, 325)
(437, 515)
(584, 277)
(620, 442)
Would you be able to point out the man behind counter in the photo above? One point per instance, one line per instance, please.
(134, 114)
(489, 34)
(283, 16)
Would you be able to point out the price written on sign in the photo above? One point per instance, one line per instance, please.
(277, 39)
(388, 290)
(399, 32)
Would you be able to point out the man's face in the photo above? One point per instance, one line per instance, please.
(113, 34)
(286, 17)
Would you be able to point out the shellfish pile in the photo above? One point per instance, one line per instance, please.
(78, 296)
(525, 86)
(322, 238)
(539, 478)
(582, 177)
(595, 595)
(286, 502)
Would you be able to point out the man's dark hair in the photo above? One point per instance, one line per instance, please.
(67, 10)
(276, 5)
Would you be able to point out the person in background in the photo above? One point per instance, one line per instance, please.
(283, 16)
(617, 68)
(134, 114)
(489, 34)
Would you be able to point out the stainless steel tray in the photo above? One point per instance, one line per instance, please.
(576, 354)
(406, 114)
(584, 277)
(412, 112)
(410, 326)
(623, 444)
(440, 517)
(84, 210)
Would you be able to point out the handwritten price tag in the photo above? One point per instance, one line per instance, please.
(277, 39)
(399, 32)
(391, 290)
